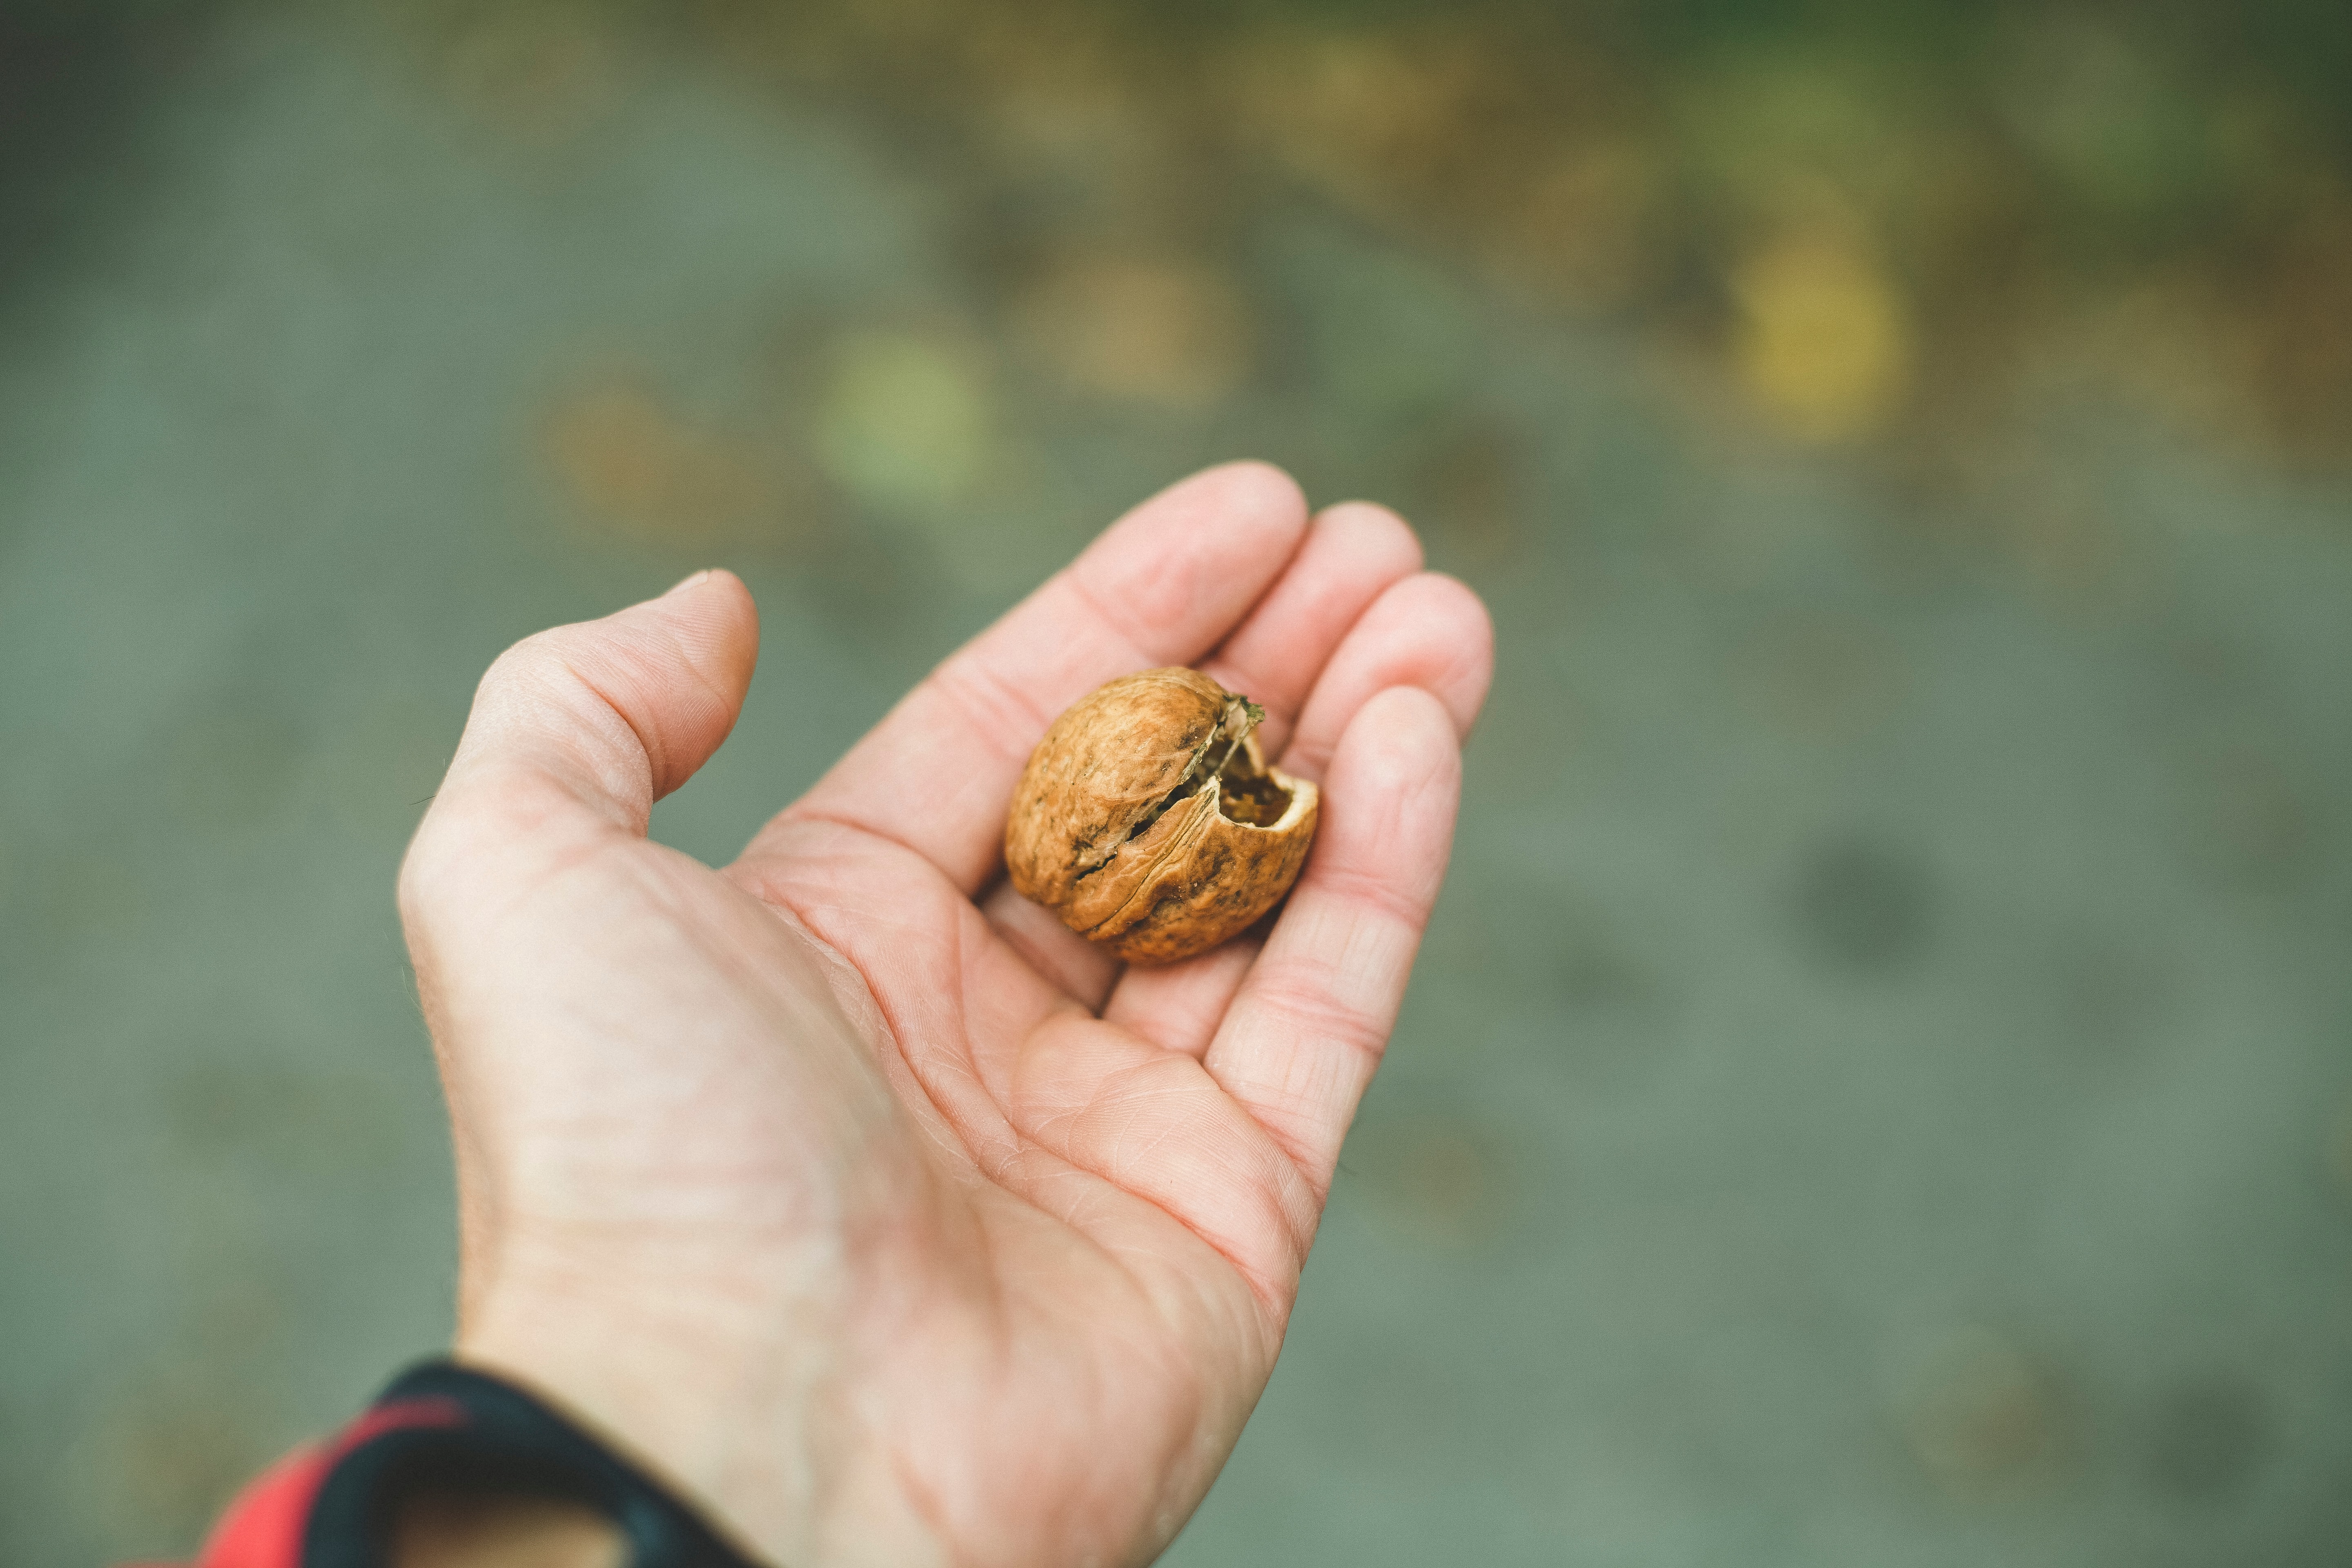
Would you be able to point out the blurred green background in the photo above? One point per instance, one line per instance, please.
(1879, 1089)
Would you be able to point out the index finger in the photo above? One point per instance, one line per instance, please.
(1163, 585)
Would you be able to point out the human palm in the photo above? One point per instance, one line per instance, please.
(889, 1219)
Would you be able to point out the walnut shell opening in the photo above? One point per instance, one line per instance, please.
(1149, 820)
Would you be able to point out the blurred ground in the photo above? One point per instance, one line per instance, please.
(1878, 1090)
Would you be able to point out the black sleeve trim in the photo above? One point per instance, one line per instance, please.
(495, 1435)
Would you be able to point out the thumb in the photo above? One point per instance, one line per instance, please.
(607, 717)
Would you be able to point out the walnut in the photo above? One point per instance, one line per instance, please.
(1149, 819)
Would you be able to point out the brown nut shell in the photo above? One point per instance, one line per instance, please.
(1149, 819)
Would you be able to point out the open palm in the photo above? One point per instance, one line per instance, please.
(889, 1220)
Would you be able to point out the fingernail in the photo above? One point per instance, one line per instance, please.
(689, 582)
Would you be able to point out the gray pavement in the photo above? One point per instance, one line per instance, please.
(1879, 1089)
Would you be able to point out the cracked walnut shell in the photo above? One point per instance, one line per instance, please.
(1149, 819)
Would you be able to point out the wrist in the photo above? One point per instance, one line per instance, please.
(447, 1527)
(727, 1407)
(652, 1382)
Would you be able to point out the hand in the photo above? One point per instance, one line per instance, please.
(882, 1216)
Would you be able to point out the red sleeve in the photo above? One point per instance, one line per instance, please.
(265, 1526)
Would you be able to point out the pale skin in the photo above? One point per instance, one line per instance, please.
(879, 1214)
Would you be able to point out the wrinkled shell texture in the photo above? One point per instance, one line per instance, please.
(1093, 836)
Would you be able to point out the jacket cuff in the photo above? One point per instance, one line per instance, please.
(333, 1504)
